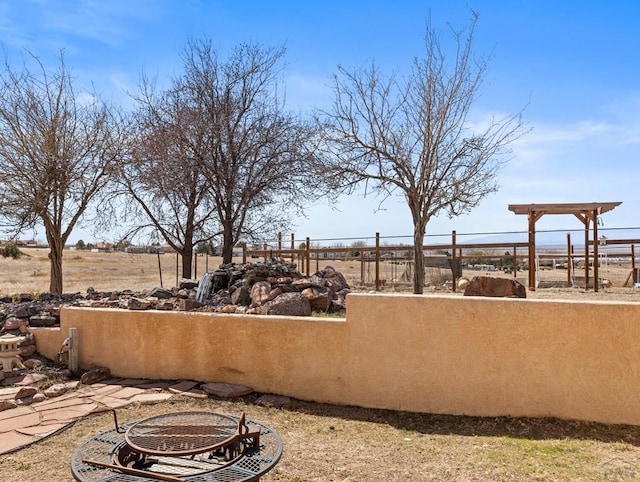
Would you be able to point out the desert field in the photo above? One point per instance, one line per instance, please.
(115, 271)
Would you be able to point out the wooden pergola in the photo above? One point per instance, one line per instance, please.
(585, 212)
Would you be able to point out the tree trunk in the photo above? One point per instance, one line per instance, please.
(55, 257)
(418, 260)
(187, 258)
(227, 244)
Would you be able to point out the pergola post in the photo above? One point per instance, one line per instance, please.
(532, 250)
(585, 212)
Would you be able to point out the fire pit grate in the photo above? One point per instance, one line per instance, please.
(189, 447)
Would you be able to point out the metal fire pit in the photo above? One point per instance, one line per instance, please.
(179, 447)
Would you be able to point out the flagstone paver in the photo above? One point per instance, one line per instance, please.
(110, 401)
(27, 420)
(26, 424)
(68, 413)
(56, 404)
(127, 392)
(42, 430)
(182, 386)
(12, 413)
(146, 398)
(13, 440)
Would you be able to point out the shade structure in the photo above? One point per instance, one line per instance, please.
(585, 212)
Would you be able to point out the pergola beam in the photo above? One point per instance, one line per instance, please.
(585, 212)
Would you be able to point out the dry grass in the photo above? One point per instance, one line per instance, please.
(83, 269)
(332, 443)
(140, 272)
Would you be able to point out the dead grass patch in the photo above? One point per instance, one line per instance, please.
(337, 443)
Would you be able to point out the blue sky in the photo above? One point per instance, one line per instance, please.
(573, 64)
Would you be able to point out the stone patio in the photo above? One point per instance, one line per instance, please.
(27, 424)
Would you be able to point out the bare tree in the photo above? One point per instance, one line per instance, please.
(260, 157)
(218, 150)
(57, 151)
(413, 136)
(164, 177)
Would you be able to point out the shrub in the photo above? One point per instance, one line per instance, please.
(10, 250)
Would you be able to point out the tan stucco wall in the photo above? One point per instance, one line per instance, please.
(454, 355)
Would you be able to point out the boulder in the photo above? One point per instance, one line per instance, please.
(495, 287)
(319, 297)
(260, 292)
(287, 304)
(137, 304)
(241, 296)
(160, 293)
(188, 304)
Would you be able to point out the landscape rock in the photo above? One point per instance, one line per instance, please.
(286, 304)
(188, 305)
(495, 287)
(33, 363)
(137, 304)
(55, 390)
(277, 401)
(260, 293)
(43, 321)
(25, 392)
(241, 296)
(95, 375)
(7, 405)
(319, 297)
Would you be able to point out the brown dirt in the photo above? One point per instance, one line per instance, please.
(332, 443)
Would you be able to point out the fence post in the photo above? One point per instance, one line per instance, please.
(308, 255)
(293, 247)
(453, 259)
(569, 260)
(377, 261)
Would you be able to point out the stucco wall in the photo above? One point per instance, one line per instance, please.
(454, 355)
